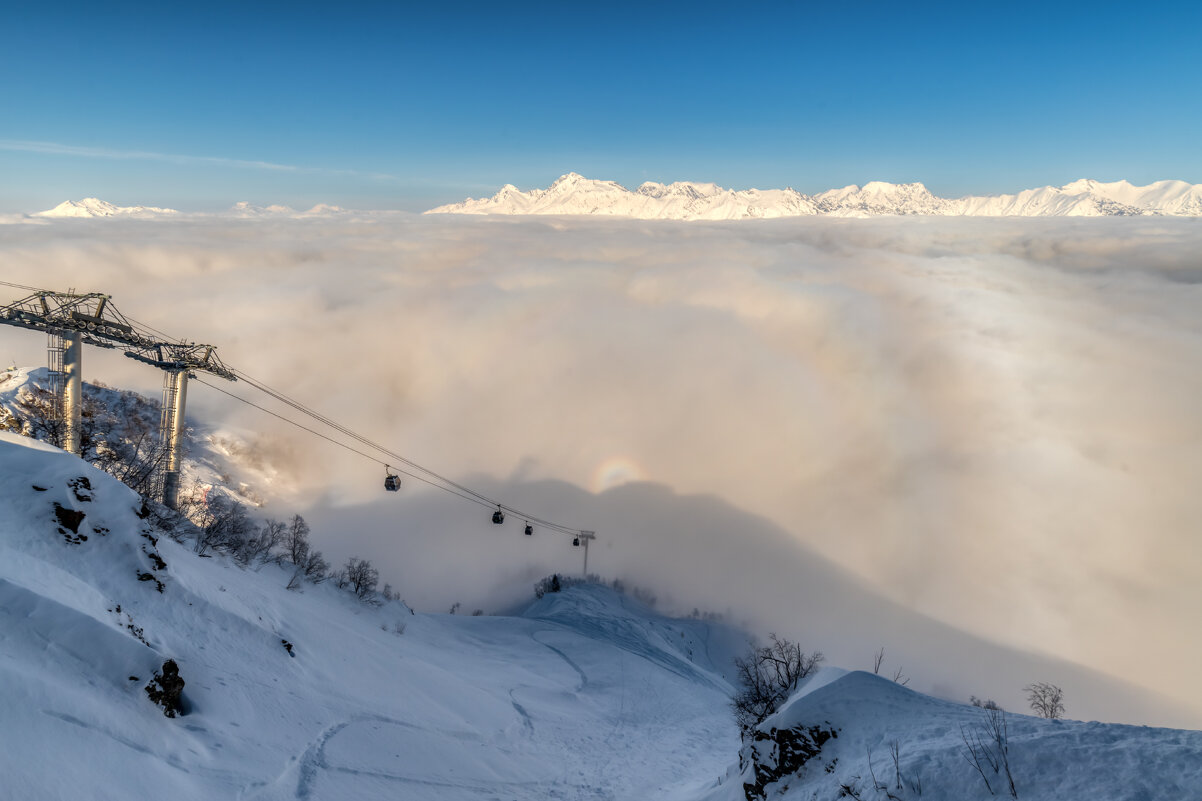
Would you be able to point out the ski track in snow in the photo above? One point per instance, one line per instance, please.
(583, 677)
(314, 759)
(527, 723)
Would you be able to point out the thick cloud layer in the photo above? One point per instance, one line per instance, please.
(994, 422)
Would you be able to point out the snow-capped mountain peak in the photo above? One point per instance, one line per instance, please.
(573, 194)
(95, 207)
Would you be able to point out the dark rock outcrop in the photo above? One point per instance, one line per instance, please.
(779, 753)
(166, 689)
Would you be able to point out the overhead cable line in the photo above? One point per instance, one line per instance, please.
(22, 286)
(396, 457)
(149, 334)
(336, 442)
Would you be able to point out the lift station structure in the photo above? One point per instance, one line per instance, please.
(72, 320)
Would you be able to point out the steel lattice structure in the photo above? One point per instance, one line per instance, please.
(92, 319)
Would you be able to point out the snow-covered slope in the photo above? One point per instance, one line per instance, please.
(575, 194)
(312, 694)
(854, 721)
(587, 695)
(94, 207)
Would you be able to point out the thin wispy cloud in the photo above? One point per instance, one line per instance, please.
(81, 151)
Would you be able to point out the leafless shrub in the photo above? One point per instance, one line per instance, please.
(361, 578)
(117, 432)
(987, 745)
(224, 526)
(259, 546)
(767, 676)
(1047, 700)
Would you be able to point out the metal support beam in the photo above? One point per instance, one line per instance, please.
(171, 432)
(72, 390)
(586, 537)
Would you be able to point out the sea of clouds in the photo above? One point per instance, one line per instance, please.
(994, 423)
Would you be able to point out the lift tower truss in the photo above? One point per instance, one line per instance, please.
(178, 361)
(71, 320)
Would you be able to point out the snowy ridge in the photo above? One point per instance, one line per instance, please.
(573, 194)
(1048, 760)
(247, 210)
(94, 207)
(91, 207)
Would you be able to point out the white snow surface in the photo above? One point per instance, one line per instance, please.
(573, 194)
(1050, 760)
(585, 694)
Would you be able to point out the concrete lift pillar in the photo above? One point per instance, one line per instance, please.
(72, 390)
(175, 398)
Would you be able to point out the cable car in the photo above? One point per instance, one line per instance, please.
(392, 482)
(529, 529)
(576, 542)
(498, 517)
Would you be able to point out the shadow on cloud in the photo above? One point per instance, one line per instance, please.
(992, 422)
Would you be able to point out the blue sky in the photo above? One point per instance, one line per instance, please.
(397, 105)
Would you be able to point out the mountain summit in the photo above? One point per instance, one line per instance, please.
(573, 194)
(95, 207)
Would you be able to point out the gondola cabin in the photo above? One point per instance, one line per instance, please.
(498, 517)
(392, 482)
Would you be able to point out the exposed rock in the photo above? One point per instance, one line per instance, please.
(82, 488)
(779, 753)
(149, 577)
(68, 518)
(166, 689)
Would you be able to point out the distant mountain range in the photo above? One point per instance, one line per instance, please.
(94, 207)
(573, 194)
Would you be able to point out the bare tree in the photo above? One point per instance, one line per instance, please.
(877, 660)
(296, 541)
(225, 528)
(123, 442)
(1047, 700)
(361, 577)
(766, 678)
(258, 546)
(315, 569)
